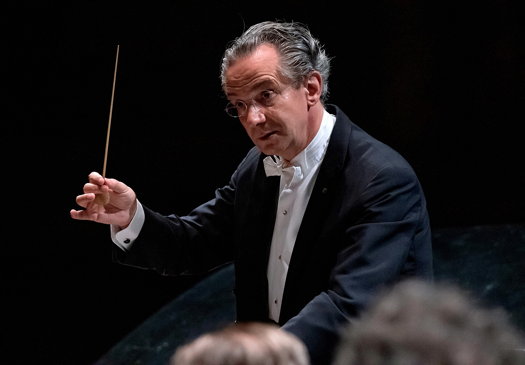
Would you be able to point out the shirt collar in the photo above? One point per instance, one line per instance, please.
(313, 154)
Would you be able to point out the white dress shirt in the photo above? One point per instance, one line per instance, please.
(297, 181)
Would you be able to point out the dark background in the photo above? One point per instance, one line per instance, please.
(443, 83)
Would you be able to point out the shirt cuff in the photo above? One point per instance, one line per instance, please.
(124, 238)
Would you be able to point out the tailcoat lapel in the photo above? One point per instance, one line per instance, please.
(258, 218)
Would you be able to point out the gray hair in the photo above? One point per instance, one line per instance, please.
(244, 343)
(417, 322)
(300, 52)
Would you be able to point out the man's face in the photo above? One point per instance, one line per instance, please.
(273, 113)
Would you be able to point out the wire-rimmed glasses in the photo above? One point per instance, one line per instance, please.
(264, 99)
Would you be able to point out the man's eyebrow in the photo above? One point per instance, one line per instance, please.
(259, 86)
(264, 83)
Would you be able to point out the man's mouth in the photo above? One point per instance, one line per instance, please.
(267, 135)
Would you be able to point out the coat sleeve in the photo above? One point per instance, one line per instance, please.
(190, 244)
(194, 243)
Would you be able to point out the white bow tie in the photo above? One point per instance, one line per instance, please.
(273, 166)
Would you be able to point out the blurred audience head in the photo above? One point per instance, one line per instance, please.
(250, 343)
(422, 323)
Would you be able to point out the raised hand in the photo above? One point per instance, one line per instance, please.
(107, 201)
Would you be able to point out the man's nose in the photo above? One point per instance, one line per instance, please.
(254, 114)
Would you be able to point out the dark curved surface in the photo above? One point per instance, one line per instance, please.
(202, 308)
(488, 261)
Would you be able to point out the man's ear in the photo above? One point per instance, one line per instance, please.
(313, 87)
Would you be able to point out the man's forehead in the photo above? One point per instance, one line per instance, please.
(263, 60)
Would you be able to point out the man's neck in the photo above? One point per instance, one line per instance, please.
(315, 118)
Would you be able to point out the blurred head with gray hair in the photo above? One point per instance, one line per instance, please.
(420, 323)
(245, 343)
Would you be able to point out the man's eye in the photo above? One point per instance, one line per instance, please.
(266, 96)
(239, 104)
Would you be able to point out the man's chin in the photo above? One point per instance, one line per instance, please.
(268, 150)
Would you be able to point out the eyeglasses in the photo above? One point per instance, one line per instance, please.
(263, 99)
